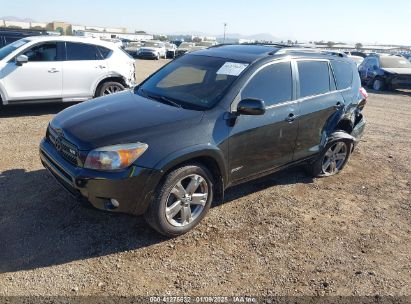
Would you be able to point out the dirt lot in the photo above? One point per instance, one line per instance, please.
(286, 234)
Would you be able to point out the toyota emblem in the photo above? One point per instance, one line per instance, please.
(57, 144)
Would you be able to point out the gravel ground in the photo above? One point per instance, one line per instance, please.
(286, 234)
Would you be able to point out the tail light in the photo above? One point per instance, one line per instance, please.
(363, 101)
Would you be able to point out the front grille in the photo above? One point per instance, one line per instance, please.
(66, 149)
(148, 54)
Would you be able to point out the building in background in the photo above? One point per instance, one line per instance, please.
(113, 35)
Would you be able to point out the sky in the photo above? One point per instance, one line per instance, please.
(366, 21)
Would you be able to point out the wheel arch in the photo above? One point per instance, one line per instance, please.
(210, 158)
(110, 77)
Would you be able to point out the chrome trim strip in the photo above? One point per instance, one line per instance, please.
(305, 98)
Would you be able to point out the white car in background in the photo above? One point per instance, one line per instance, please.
(170, 50)
(184, 47)
(152, 50)
(357, 59)
(62, 68)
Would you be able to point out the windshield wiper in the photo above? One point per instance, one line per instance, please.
(162, 99)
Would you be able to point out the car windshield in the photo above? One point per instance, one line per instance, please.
(8, 49)
(393, 62)
(192, 81)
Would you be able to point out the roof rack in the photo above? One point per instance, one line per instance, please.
(309, 50)
(278, 45)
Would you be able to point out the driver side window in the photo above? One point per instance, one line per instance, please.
(42, 52)
(273, 84)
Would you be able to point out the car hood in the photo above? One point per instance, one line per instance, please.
(400, 71)
(121, 118)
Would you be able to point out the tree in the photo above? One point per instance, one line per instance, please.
(60, 30)
(197, 39)
(358, 46)
(14, 27)
(330, 44)
(37, 28)
(140, 32)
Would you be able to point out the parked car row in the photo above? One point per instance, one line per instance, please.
(157, 49)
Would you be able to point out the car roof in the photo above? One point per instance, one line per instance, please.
(96, 41)
(240, 52)
(253, 52)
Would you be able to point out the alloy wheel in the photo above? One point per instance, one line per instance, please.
(334, 158)
(111, 90)
(186, 200)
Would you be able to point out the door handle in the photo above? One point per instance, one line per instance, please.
(53, 70)
(291, 117)
(338, 106)
(100, 67)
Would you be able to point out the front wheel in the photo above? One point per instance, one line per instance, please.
(182, 201)
(378, 84)
(333, 159)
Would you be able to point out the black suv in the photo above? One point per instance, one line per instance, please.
(383, 71)
(207, 121)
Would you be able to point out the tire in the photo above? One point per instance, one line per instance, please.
(378, 84)
(173, 211)
(109, 86)
(331, 160)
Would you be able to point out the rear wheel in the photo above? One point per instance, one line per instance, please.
(109, 87)
(333, 159)
(182, 201)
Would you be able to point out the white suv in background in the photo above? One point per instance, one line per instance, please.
(47, 68)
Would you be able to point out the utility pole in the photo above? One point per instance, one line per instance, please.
(225, 28)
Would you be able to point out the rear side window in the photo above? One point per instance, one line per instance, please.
(314, 78)
(273, 84)
(343, 74)
(82, 51)
(105, 52)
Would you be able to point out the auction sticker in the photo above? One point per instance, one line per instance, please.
(232, 68)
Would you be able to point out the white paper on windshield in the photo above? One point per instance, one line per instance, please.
(232, 68)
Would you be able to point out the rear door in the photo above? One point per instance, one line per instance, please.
(263, 142)
(39, 78)
(83, 68)
(319, 103)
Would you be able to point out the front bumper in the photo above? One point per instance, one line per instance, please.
(400, 82)
(149, 55)
(133, 187)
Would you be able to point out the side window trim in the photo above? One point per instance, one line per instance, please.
(237, 99)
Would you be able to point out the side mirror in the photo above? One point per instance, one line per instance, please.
(251, 106)
(21, 59)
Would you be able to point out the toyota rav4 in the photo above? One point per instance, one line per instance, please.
(204, 122)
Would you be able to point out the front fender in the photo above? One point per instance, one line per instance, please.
(193, 152)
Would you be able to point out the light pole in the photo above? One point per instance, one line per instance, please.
(225, 28)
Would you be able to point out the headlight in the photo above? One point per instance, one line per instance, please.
(114, 157)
